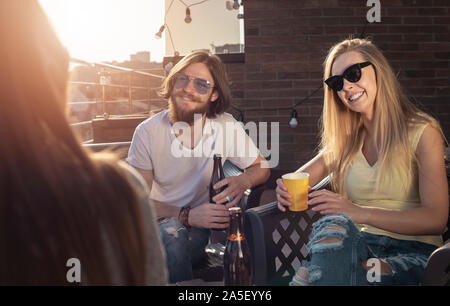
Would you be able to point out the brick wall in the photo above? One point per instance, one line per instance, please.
(286, 42)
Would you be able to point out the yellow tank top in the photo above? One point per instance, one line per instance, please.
(360, 188)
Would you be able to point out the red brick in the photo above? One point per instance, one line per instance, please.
(401, 11)
(280, 49)
(433, 29)
(307, 12)
(388, 38)
(418, 37)
(322, 21)
(435, 46)
(293, 57)
(259, 4)
(292, 92)
(432, 11)
(403, 29)
(339, 29)
(259, 94)
(417, 20)
(278, 67)
(419, 73)
(292, 75)
(441, 20)
(306, 83)
(279, 102)
(261, 76)
(253, 67)
(337, 11)
(416, 3)
(252, 85)
(276, 84)
(442, 37)
(422, 91)
(259, 58)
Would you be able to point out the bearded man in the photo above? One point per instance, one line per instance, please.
(173, 151)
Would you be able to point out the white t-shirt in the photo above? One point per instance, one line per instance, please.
(181, 176)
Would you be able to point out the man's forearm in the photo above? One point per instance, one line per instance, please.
(257, 175)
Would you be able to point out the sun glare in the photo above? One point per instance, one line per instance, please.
(107, 30)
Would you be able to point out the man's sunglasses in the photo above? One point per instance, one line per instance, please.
(202, 86)
(351, 74)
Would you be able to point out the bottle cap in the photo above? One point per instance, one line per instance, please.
(235, 210)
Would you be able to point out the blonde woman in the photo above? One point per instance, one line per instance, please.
(385, 158)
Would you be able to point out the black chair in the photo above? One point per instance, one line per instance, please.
(277, 242)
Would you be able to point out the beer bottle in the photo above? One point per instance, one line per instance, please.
(238, 269)
(217, 176)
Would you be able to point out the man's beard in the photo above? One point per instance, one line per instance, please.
(178, 114)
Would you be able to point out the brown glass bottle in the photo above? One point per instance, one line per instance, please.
(238, 269)
(217, 176)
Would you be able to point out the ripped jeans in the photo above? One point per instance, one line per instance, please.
(183, 248)
(338, 250)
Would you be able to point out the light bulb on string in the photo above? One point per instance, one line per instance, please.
(188, 18)
(229, 5)
(161, 30)
(293, 123)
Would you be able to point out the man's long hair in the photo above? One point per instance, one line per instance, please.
(342, 129)
(218, 72)
(57, 201)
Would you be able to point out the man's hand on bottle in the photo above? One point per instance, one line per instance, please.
(237, 185)
(209, 216)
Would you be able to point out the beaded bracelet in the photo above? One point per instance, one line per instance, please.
(183, 216)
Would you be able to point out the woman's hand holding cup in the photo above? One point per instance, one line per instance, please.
(287, 198)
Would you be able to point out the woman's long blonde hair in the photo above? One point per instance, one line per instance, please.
(343, 130)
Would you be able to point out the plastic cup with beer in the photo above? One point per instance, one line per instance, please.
(297, 186)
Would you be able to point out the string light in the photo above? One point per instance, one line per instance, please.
(188, 18)
(158, 35)
(293, 123)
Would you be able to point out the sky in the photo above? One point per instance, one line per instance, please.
(108, 30)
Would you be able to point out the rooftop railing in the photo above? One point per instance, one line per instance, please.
(105, 90)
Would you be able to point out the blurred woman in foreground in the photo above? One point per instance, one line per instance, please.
(58, 201)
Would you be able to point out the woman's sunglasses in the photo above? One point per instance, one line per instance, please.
(202, 86)
(351, 74)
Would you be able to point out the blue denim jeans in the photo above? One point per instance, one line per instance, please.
(183, 248)
(338, 249)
